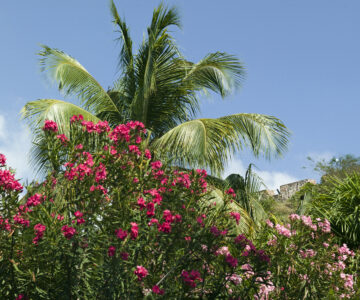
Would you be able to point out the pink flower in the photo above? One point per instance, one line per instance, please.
(307, 220)
(124, 255)
(50, 126)
(141, 272)
(232, 261)
(190, 278)
(150, 209)
(157, 290)
(223, 251)
(236, 216)
(63, 139)
(344, 250)
(147, 153)
(100, 174)
(75, 118)
(153, 221)
(78, 214)
(141, 203)
(283, 230)
(80, 221)
(230, 192)
(165, 227)
(294, 217)
(269, 223)
(34, 200)
(156, 165)
(121, 234)
(134, 149)
(188, 238)
(68, 231)
(2, 160)
(134, 231)
(111, 251)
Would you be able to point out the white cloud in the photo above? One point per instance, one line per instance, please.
(272, 179)
(15, 144)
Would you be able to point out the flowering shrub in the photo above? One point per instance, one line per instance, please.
(109, 222)
(305, 263)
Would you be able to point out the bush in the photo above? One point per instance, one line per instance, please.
(109, 222)
(306, 263)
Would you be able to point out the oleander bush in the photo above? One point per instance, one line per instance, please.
(109, 222)
(306, 263)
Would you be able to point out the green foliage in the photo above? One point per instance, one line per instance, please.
(160, 88)
(247, 190)
(306, 263)
(337, 166)
(339, 201)
(110, 222)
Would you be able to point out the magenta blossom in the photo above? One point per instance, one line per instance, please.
(111, 251)
(50, 126)
(157, 290)
(141, 272)
(68, 231)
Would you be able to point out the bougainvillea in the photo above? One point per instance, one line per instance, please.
(110, 222)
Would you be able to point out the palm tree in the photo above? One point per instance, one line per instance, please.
(160, 88)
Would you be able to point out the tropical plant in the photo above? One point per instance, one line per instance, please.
(336, 166)
(160, 88)
(113, 223)
(247, 190)
(306, 262)
(339, 201)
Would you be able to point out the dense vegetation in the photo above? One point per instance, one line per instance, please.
(111, 222)
(125, 210)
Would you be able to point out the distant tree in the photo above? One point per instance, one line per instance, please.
(336, 166)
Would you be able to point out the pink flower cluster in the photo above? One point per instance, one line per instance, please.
(79, 217)
(50, 126)
(34, 200)
(39, 230)
(2, 160)
(283, 230)
(230, 192)
(141, 272)
(121, 234)
(63, 139)
(157, 290)
(191, 278)
(68, 231)
(82, 170)
(307, 253)
(236, 216)
(8, 181)
(111, 251)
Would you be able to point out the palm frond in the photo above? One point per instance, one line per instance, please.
(265, 135)
(163, 17)
(219, 72)
(209, 143)
(73, 79)
(36, 112)
(203, 143)
(126, 54)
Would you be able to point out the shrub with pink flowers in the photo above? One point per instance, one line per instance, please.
(111, 222)
(306, 263)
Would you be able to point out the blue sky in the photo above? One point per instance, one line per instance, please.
(302, 60)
